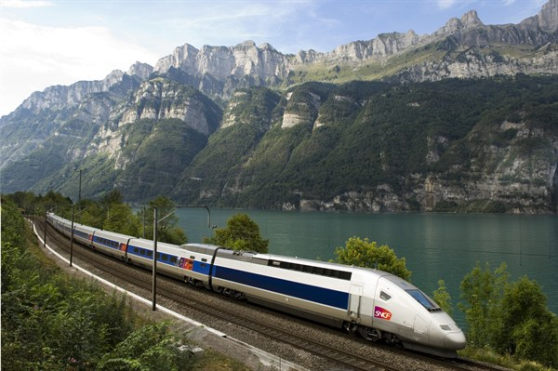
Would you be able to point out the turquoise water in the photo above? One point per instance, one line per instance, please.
(435, 246)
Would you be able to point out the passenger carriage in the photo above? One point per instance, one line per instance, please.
(113, 244)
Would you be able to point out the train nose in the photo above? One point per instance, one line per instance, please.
(455, 340)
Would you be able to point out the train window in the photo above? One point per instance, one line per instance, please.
(142, 252)
(192, 257)
(384, 296)
(204, 260)
(150, 254)
(310, 269)
(423, 299)
(173, 259)
(445, 327)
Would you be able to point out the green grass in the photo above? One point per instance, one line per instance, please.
(489, 356)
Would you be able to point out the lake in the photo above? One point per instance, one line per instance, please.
(435, 246)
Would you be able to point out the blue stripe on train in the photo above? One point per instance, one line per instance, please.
(201, 267)
(320, 295)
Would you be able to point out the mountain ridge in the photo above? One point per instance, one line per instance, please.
(246, 58)
(237, 105)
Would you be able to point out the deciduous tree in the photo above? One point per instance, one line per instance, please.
(480, 292)
(443, 298)
(525, 326)
(363, 253)
(167, 228)
(121, 219)
(241, 233)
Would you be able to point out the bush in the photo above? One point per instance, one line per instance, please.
(149, 348)
(51, 322)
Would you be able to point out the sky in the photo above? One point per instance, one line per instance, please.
(60, 42)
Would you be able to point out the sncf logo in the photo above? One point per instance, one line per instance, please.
(382, 313)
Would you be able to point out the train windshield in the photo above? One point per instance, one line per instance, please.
(423, 299)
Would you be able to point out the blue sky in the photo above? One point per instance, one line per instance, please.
(59, 42)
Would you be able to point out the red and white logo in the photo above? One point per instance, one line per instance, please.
(382, 313)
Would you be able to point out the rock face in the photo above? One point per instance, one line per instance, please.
(222, 63)
(160, 99)
(203, 95)
(547, 19)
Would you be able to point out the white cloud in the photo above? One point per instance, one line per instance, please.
(34, 57)
(444, 4)
(21, 4)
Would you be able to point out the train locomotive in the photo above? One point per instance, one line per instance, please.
(377, 305)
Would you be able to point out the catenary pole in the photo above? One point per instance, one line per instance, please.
(154, 281)
(155, 236)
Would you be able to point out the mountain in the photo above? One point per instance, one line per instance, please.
(463, 119)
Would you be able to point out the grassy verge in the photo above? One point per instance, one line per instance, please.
(489, 356)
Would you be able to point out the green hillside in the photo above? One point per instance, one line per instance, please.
(378, 135)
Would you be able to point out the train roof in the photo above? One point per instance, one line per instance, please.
(286, 262)
(143, 242)
(103, 233)
(85, 227)
(297, 260)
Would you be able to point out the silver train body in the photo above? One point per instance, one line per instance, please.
(378, 305)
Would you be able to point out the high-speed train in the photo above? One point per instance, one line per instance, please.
(377, 305)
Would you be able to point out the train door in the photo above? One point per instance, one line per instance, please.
(385, 305)
(355, 299)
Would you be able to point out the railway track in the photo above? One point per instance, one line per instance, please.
(174, 291)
